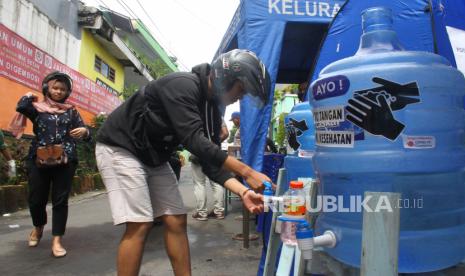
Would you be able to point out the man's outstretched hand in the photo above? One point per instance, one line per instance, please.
(253, 201)
(255, 180)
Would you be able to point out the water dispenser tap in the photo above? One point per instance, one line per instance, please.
(307, 242)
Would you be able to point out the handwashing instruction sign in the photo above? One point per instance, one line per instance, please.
(369, 110)
(331, 118)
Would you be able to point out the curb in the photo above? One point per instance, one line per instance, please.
(14, 197)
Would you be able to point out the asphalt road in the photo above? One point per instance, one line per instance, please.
(92, 240)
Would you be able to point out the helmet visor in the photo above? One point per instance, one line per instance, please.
(258, 89)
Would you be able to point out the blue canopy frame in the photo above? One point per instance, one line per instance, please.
(286, 36)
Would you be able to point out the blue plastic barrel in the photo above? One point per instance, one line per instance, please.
(389, 120)
(300, 129)
(300, 133)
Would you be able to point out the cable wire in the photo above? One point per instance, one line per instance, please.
(206, 23)
(133, 14)
(161, 34)
(102, 3)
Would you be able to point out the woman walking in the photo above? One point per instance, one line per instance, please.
(52, 158)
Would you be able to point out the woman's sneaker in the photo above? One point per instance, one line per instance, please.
(199, 216)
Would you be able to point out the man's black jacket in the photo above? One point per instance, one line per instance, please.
(172, 110)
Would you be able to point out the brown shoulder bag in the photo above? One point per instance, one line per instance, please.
(51, 156)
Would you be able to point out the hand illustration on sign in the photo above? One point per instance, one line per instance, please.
(371, 109)
(374, 117)
(295, 129)
(292, 138)
(397, 95)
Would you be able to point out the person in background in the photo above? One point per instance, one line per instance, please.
(56, 125)
(175, 162)
(302, 90)
(7, 155)
(136, 141)
(270, 147)
(235, 137)
(200, 181)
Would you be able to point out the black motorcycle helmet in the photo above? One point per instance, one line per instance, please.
(245, 66)
(60, 76)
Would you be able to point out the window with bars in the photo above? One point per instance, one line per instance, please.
(97, 64)
(104, 69)
(111, 74)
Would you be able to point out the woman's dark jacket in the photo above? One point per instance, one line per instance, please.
(50, 128)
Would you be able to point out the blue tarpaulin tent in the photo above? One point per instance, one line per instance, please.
(421, 25)
(286, 35)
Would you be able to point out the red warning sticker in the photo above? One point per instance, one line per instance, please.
(419, 142)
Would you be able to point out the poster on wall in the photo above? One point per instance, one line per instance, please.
(457, 41)
(26, 64)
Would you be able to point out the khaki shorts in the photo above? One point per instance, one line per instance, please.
(137, 193)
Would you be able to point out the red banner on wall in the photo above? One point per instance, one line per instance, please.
(26, 64)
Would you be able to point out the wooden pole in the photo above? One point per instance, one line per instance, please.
(380, 236)
(245, 226)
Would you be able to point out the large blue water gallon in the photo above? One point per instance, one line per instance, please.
(300, 133)
(389, 120)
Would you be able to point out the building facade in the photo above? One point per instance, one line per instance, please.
(41, 36)
(32, 44)
(99, 65)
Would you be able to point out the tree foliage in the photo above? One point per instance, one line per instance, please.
(128, 91)
(289, 89)
(278, 95)
(156, 67)
(86, 150)
(281, 133)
